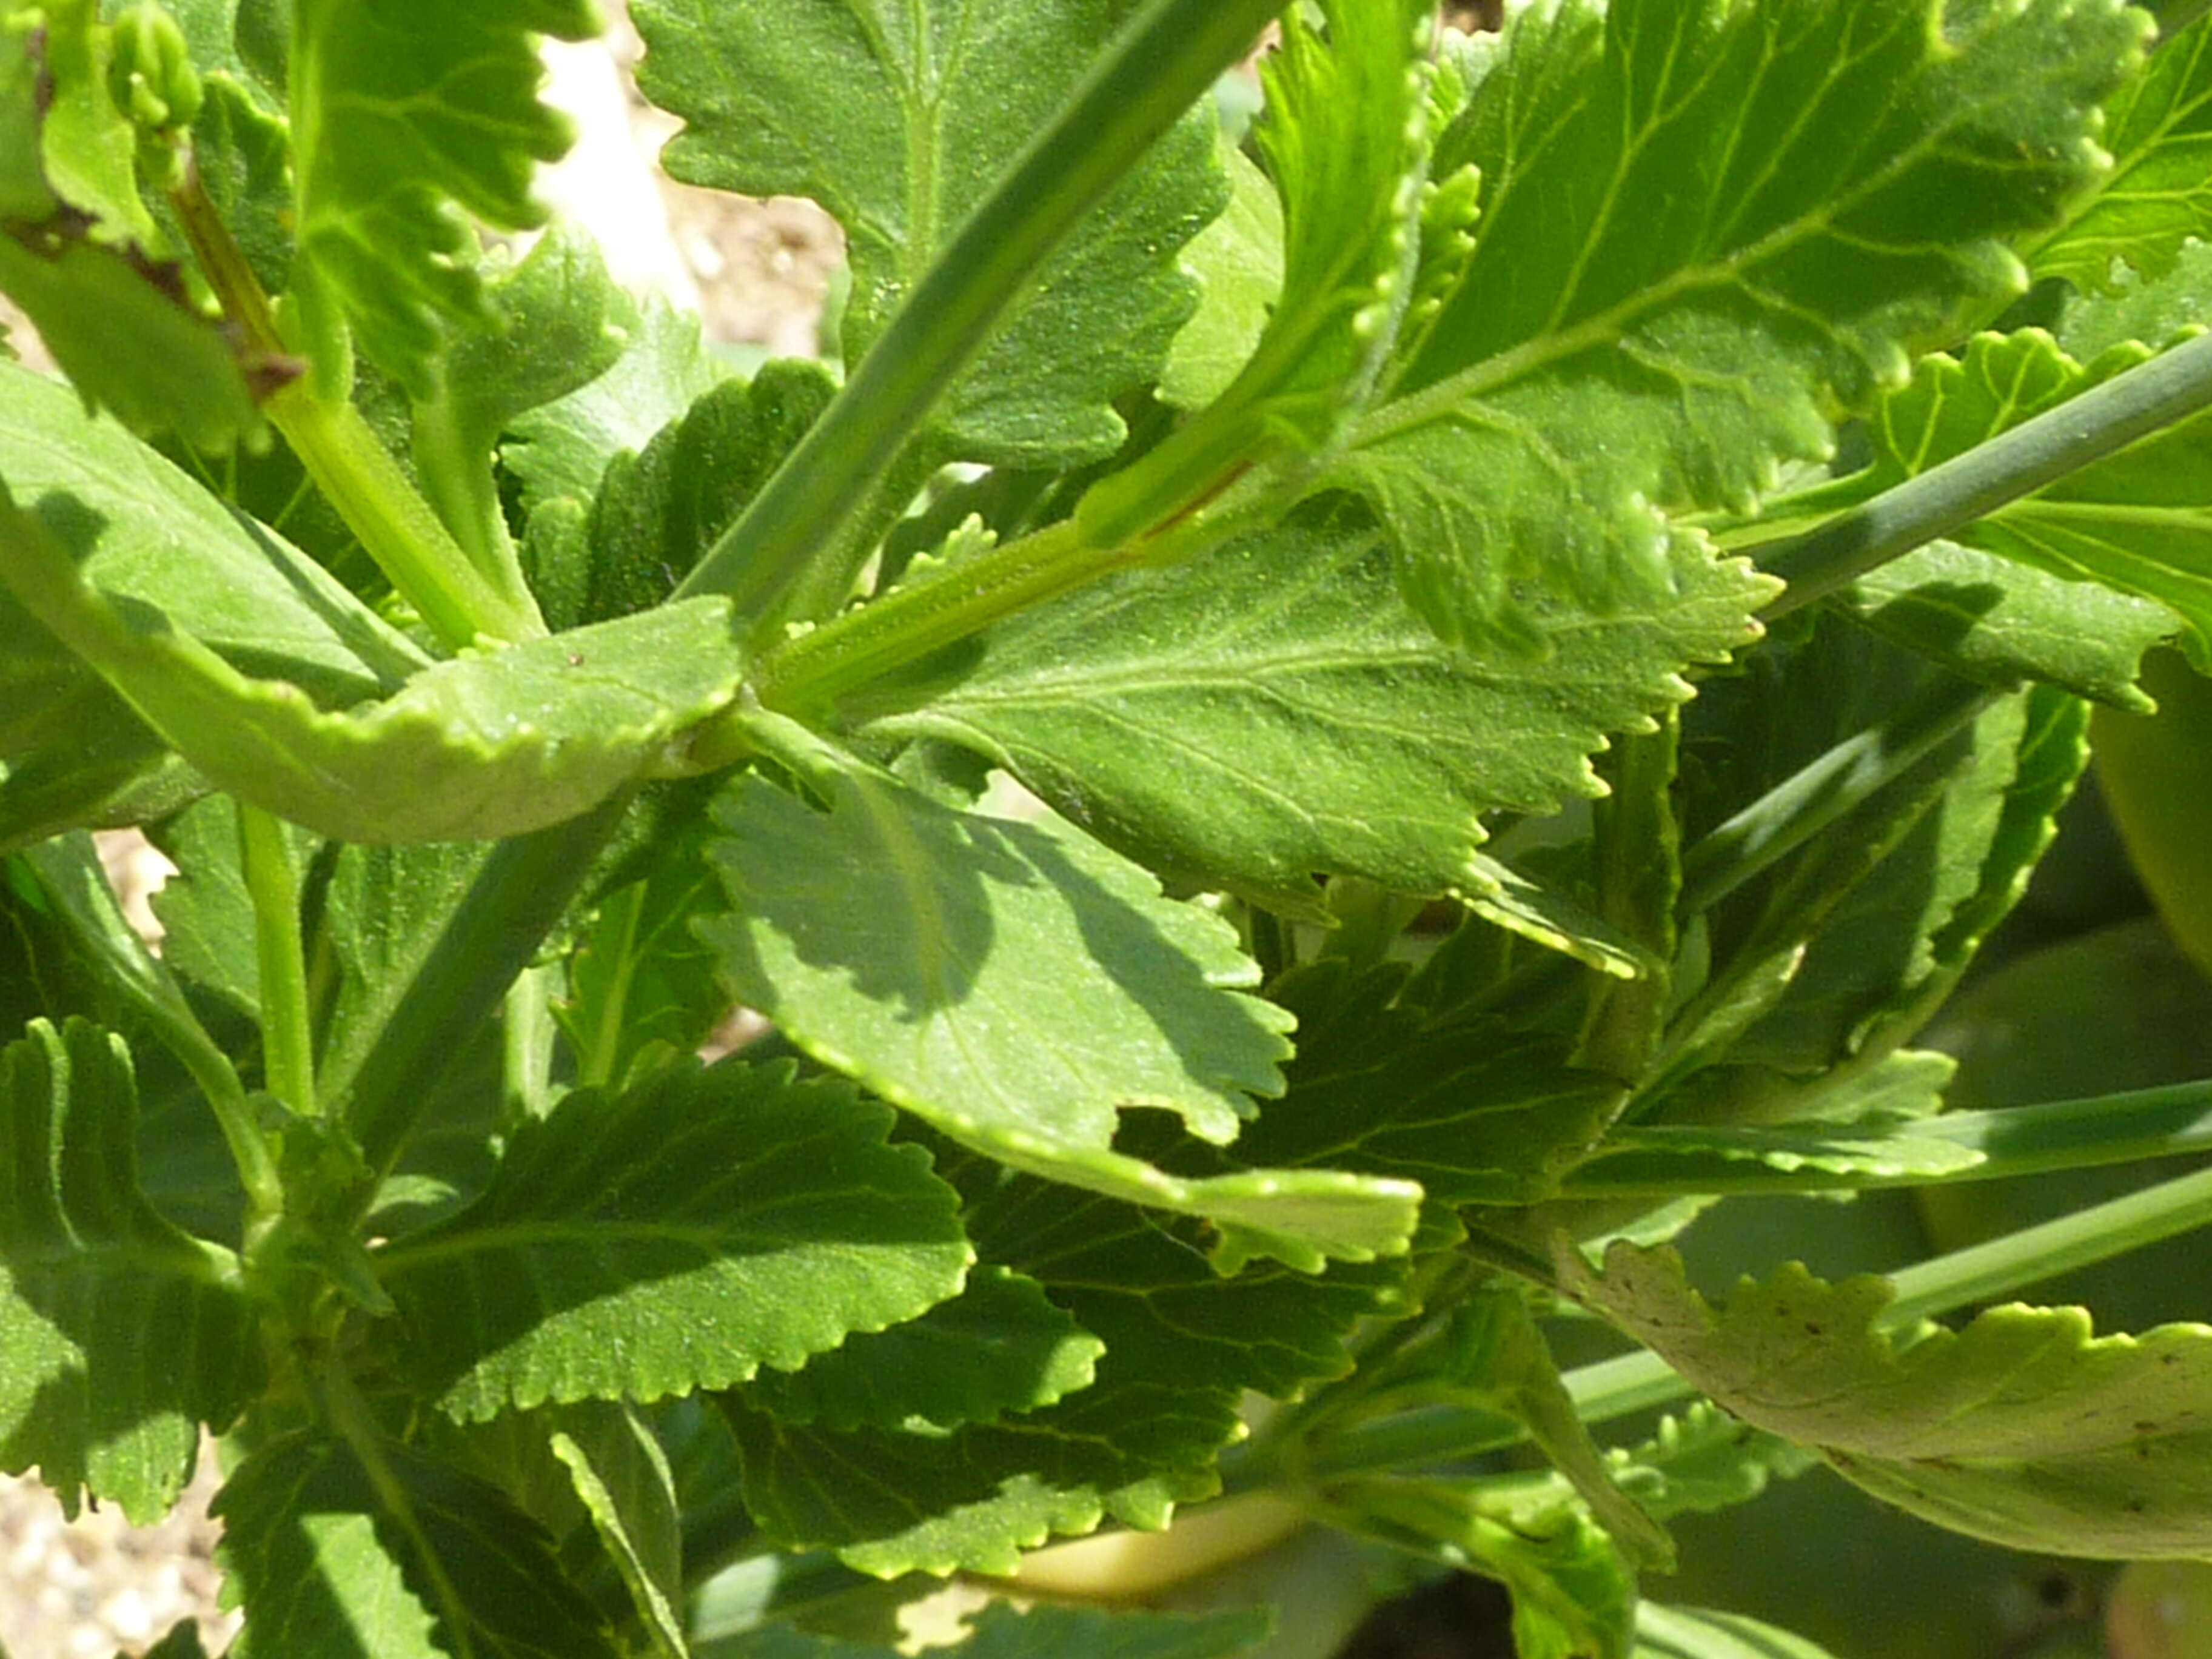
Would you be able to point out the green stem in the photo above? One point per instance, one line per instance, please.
(814, 671)
(2017, 1140)
(2106, 418)
(1639, 1382)
(492, 935)
(1156, 69)
(272, 881)
(354, 471)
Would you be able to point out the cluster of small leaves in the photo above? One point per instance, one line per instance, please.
(1268, 829)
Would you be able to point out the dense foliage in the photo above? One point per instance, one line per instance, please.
(1487, 651)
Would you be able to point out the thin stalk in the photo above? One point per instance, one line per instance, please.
(1639, 1382)
(2108, 418)
(1156, 69)
(354, 471)
(272, 881)
(1815, 798)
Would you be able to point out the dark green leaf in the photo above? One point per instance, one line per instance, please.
(205, 912)
(1705, 228)
(1475, 1112)
(2020, 1428)
(398, 118)
(1316, 725)
(655, 516)
(676, 1236)
(412, 1559)
(137, 525)
(1016, 984)
(561, 449)
(1573, 1595)
(120, 1336)
(999, 1347)
(642, 989)
(1183, 1347)
(898, 119)
(183, 1642)
(1345, 137)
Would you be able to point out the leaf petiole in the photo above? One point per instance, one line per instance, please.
(355, 471)
(272, 879)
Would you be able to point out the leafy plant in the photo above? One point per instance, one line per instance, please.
(1542, 608)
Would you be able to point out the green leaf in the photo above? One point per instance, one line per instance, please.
(1706, 228)
(1893, 947)
(1015, 984)
(1043, 1633)
(1703, 1460)
(1184, 1347)
(382, 912)
(205, 912)
(137, 525)
(1316, 725)
(999, 1347)
(407, 1559)
(81, 255)
(399, 118)
(560, 450)
(621, 1475)
(2158, 127)
(676, 1236)
(2021, 1428)
(1238, 262)
(1700, 1633)
(1475, 1112)
(1674, 1158)
(654, 516)
(89, 148)
(2135, 521)
(641, 986)
(489, 744)
(898, 119)
(890, 1503)
(121, 1334)
(2000, 622)
(1497, 1359)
